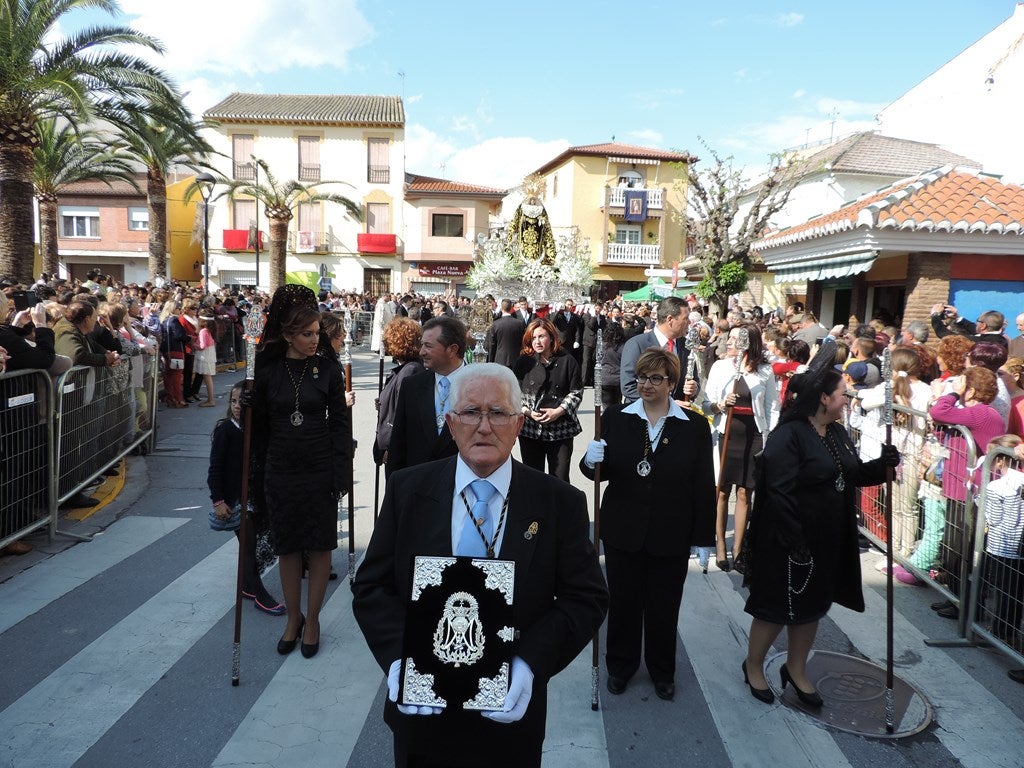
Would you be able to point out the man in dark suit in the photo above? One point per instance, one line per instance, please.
(505, 337)
(419, 433)
(672, 321)
(403, 306)
(593, 324)
(560, 594)
(523, 311)
(570, 329)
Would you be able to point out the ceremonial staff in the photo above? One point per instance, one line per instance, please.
(741, 344)
(692, 340)
(346, 360)
(596, 655)
(889, 471)
(380, 388)
(254, 323)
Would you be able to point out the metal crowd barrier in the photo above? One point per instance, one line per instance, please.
(996, 604)
(26, 435)
(57, 437)
(362, 326)
(957, 529)
(229, 342)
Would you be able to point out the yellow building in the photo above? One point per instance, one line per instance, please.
(629, 201)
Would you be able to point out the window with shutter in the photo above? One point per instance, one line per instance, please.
(309, 159)
(378, 168)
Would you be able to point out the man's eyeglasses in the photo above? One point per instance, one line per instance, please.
(657, 379)
(473, 418)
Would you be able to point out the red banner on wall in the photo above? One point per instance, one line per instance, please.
(444, 270)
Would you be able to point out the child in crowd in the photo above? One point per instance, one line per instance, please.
(1004, 564)
(225, 481)
(206, 358)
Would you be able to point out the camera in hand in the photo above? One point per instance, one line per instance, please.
(24, 300)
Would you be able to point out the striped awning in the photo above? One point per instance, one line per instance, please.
(830, 268)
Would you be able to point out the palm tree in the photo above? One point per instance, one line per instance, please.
(280, 200)
(64, 156)
(159, 135)
(40, 79)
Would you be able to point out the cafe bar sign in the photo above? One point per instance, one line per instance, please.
(444, 270)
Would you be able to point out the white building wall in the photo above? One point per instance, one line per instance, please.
(959, 109)
(343, 158)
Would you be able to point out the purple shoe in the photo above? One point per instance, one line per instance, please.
(274, 610)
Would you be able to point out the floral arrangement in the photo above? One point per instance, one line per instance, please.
(499, 271)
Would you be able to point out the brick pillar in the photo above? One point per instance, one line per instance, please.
(927, 284)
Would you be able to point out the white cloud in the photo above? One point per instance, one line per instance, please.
(789, 19)
(648, 135)
(799, 93)
(255, 36)
(499, 162)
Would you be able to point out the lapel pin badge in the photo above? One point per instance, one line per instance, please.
(531, 531)
(316, 372)
(664, 441)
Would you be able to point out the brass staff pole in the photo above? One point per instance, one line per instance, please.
(887, 419)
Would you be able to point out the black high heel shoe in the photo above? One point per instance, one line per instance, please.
(723, 565)
(811, 699)
(284, 647)
(308, 650)
(761, 694)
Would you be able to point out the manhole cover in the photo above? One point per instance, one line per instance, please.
(854, 694)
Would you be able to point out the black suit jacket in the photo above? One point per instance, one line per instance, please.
(526, 317)
(671, 509)
(630, 354)
(569, 331)
(414, 436)
(592, 326)
(560, 595)
(505, 340)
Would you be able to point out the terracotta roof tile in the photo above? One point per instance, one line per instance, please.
(615, 149)
(947, 199)
(418, 186)
(303, 108)
(115, 188)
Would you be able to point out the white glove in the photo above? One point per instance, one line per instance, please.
(595, 453)
(520, 691)
(406, 709)
(575, 345)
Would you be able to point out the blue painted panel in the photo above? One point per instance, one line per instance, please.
(972, 297)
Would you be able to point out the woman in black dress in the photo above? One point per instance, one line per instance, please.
(302, 447)
(552, 390)
(802, 553)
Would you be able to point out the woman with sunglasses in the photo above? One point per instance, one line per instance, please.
(660, 501)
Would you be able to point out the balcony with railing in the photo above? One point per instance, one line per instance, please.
(378, 174)
(309, 172)
(655, 197)
(634, 255)
(244, 171)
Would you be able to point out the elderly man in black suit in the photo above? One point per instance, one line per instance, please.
(672, 320)
(560, 594)
(420, 433)
(505, 337)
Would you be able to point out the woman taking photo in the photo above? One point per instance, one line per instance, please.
(401, 340)
(302, 443)
(660, 501)
(754, 402)
(802, 553)
(552, 390)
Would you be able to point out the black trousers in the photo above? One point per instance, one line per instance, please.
(405, 759)
(557, 453)
(587, 365)
(645, 592)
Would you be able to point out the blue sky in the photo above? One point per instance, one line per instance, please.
(493, 90)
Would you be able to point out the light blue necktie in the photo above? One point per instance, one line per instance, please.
(470, 543)
(442, 384)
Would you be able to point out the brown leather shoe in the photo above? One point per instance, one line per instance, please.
(16, 548)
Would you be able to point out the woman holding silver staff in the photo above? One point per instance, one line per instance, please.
(801, 547)
(742, 396)
(302, 453)
(552, 387)
(660, 501)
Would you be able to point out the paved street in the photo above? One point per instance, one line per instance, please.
(117, 652)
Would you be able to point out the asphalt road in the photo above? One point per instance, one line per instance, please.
(117, 652)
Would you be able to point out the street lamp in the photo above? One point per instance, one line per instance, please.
(205, 182)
